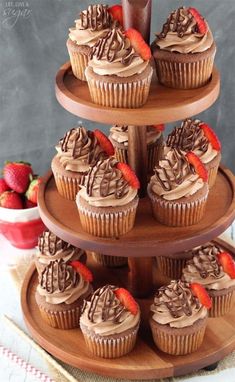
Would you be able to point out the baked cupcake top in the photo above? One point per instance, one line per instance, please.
(178, 175)
(195, 135)
(114, 54)
(185, 31)
(176, 305)
(206, 268)
(110, 311)
(79, 149)
(94, 23)
(51, 248)
(119, 134)
(109, 183)
(62, 282)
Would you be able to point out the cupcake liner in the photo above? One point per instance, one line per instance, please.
(178, 214)
(177, 342)
(68, 187)
(107, 223)
(68, 319)
(79, 61)
(213, 170)
(109, 261)
(221, 304)
(132, 94)
(121, 154)
(107, 347)
(171, 267)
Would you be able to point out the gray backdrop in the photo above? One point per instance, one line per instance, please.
(32, 48)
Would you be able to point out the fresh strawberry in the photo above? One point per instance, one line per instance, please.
(129, 175)
(211, 136)
(228, 264)
(200, 292)
(83, 270)
(196, 162)
(117, 13)
(16, 175)
(29, 204)
(104, 142)
(202, 26)
(127, 300)
(138, 43)
(32, 192)
(160, 127)
(10, 199)
(3, 186)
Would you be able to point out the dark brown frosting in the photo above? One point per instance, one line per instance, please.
(58, 275)
(96, 17)
(175, 24)
(205, 260)
(177, 297)
(188, 137)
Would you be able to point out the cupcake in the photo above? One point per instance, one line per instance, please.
(178, 190)
(51, 248)
(119, 138)
(178, 317)
(215, 270)
(94, 23)
(61, 291)
(76, 152)
(119, 71)
(110, 322)
(107, 203)
(109, 261)
(171, 266)
(198, 137)
(184, 51)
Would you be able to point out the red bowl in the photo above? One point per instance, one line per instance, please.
(21, 227)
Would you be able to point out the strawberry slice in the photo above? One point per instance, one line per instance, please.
(202, 26)
(228, 264)
(138, 43)
(211, 136)
(11, 199)
(160, 127)
(117, 13)
(129, 175)
(196, 162)
(127, 300)
(83, 270)
(200, 292)
(104, 142)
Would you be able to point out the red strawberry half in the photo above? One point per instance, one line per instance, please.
(228, 264)
(196, 162)
(10, 199)
(129, 175)
(104, 142)
(3, 186)
(16, 175)
(160, 127)
(32, 192)
(117, 13)
(200, 292)
(127, 300)
(83, 270)
(202, 26)
(211, 136)
(138, 43)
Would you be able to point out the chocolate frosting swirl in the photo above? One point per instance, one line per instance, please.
(96, 17)
(178, 24)
(205, 260)
(50, 243)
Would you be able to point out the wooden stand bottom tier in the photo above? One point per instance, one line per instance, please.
(145, 361)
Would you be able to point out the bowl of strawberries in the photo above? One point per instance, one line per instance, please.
(20, 221)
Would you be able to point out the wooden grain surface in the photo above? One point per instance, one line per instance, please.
(163, 104)
(145, 361)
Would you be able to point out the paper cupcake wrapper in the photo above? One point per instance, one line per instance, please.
(68, 319)
(177, 344)
(109, 261)
(178, 214)
(107, 224)
(68, 187)
(110, 347)
(221, 304)
(79, 62)
(171, 267)
(184, 75)
(121, 95)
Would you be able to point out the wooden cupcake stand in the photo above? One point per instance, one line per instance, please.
(147, 240)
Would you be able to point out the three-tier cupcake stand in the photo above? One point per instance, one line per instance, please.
(147, 239)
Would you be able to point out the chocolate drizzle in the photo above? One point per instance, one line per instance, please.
(105, 305)
(188, 137)
(51, 243)
(58, 276)
(107, 179)
(108, 47)
(205, 260)
(176, 23)
(177, 297)
(96, 17)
